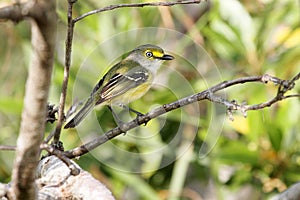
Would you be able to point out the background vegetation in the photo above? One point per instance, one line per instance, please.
(254, 157)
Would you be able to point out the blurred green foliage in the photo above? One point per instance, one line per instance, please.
(180, 155)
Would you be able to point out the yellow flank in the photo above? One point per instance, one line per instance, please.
(131, 95)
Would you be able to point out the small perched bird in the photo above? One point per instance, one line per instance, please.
(125, 82)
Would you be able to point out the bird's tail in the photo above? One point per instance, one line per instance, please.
(88, 106)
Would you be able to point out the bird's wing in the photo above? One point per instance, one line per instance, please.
(121, 83)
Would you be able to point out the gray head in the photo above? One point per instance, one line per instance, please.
(149, 56)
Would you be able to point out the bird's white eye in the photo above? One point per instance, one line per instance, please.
(149, 54)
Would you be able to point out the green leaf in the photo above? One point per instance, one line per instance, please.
(237, 152)
(275, 136)
(10, 105)
(140, 186)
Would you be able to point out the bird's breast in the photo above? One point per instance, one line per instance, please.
(132, 94)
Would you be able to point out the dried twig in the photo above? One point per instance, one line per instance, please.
(62, 101)
(7, 148)
(131, 5)
(208, 94)
(54, 151)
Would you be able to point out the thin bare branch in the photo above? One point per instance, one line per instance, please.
(131, 5)
(7, 148)
(207, 94)
(54, 151)
(61, 115)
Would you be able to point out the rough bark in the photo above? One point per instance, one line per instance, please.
(42, 15)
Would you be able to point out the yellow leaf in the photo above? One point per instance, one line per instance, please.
(288, 37)
(240, 124)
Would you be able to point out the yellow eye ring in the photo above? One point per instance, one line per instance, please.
(149, 54)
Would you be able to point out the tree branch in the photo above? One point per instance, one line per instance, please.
(54, 182)
(43, 28)
(208, 94)
(74, 170)
(131, 5)
(20, 11)
(61, 115)
(8, 148)
(13, 13)
(291, 193)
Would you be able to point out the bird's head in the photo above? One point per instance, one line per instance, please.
(149, 55)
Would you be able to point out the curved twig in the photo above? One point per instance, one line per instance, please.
(131, 5)
(208, 94)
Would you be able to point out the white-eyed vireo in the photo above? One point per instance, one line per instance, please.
(125, 82)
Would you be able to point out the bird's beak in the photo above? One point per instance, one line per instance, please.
(167, 57)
